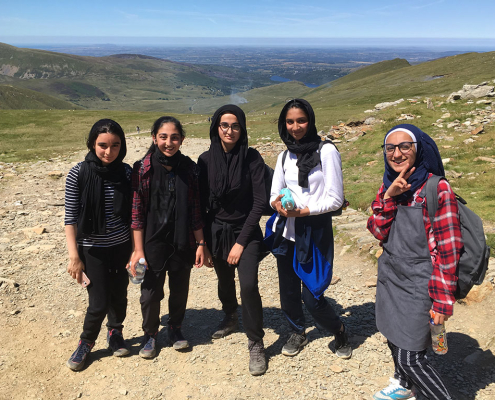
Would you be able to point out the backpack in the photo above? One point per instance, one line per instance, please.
(473, 262)
(268, 176)
(345, 204)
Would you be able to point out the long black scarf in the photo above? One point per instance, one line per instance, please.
(181, 165)
(225, 170)
(91, 176)
(306, 149)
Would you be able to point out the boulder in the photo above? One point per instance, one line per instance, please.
(478, 293)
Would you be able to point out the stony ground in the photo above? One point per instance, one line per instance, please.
(42, 310)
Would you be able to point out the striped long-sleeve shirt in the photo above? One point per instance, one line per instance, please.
(444, 239)
(117, 231)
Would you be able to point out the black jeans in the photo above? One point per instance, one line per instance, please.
(247, 270)
(106, 269)
(152, 293)
(291, 294)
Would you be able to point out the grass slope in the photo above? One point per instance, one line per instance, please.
(16, 98)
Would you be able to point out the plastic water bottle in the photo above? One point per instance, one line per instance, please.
(438, 337)
(287, 200)
(140, 271)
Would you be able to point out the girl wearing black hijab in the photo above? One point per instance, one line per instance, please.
(302, 239)
(97, 213)
(233, 192)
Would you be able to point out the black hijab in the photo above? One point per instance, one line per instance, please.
(225, 169)
(308, 157)
(91, 176)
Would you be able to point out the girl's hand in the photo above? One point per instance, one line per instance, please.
(200, 256)
(75, 269)
(235, 254)
(438, 319)
(277, 205)
(208, 262)
(400, 185)
(298, 212)
(135, 256)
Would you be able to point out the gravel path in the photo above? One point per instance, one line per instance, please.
(42, 308)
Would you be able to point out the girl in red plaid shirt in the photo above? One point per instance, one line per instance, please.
(416, 272)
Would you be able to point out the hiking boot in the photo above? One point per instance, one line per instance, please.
(176, 339)
(229, 324)
(395, 391)
(294, 345)
(257, 360)
(78, 358)
(116, 343)
(342, 347)
(149, 346)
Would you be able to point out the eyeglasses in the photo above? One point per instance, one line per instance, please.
(224, 126)
(404, 147)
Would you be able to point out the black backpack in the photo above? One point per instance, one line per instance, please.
(346, 203)
(268, 176)
(475, 255)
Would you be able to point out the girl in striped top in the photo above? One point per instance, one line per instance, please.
(97, 215)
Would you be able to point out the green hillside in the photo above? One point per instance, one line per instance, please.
(15, 98)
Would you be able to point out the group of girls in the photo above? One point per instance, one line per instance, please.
(176, 214)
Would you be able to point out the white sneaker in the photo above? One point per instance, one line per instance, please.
(395, 391)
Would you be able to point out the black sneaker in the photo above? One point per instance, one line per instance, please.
(229, 324)
(176, 339)
(342, 347)
(78, 358)
(149, 346)
(116, 343)
(294, 345)
(257, 359)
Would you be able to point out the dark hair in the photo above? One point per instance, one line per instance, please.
(296, 104)
(167, 120)
(104, 126)
(159, 123)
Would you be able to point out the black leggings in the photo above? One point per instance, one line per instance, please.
(247, 270)
(106, 269)
(152, 293)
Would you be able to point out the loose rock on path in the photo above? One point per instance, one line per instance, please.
(42, 310)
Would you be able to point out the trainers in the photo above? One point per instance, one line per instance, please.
(78, 358)
(176, 339)
(116, 343)
(342, 347)
(229, 324)
(294, 345)
(395, 391)
(149, 346)
(257, 360)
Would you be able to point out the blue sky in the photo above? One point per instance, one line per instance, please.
(106, 20)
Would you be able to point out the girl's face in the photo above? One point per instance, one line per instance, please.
(400, 159)
(229, 131)
(107, 147)
(296, 122)
(168, 139)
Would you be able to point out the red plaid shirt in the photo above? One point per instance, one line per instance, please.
(444, 240)
(141, 178)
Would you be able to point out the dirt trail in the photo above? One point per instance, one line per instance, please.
(42, 309)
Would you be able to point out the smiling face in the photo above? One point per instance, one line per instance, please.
(297, 123)
(168, 139)
(229, 137)
(107, 147)
(398, 160)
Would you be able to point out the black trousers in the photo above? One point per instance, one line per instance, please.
(106, 269)
(247, 270)
(413, 368)
(152, 294)
(291, 295)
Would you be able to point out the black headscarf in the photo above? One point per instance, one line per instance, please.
(91, 176)
(307, 147)
(225, 169)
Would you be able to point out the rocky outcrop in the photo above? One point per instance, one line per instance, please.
(473, 92)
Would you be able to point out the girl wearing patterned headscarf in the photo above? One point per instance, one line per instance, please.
(302, 239)
(233, 193)
(416, 272)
